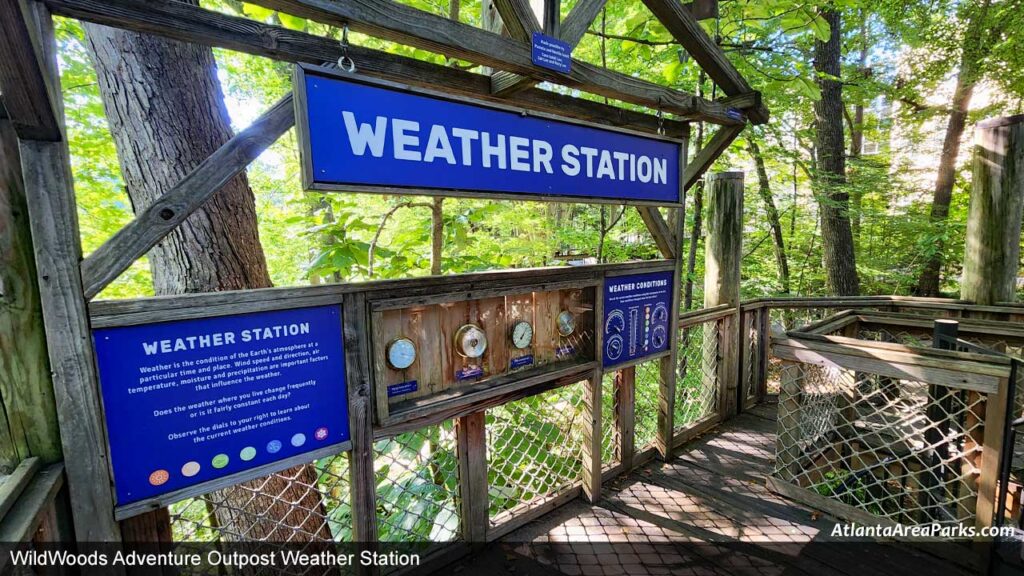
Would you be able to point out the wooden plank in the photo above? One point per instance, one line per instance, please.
(12, 485)
(993, 365)
(471, 442)
(688, 32)
(28, 94)
(357, 372)
(21, 522)
(518, 18)
(592, 437)
(931, 375)
(186, 22)
(817, 501)
(407, 25)
(991, 456)
(664, 238)
(165, 214)
(704, 159)
(54, 220)
(519, 519)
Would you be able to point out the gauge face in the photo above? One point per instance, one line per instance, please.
(401, 353)
(658, 337)
(614, 347)
(522, 334)
(470, 341)
(615, 323)
(566, 323)
(660, 314)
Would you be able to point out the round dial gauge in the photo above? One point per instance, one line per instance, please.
(470, 341)
(401, 353)
(566, 323)
(614, 346)
(522, 334)
(658, 337)
(660, 314)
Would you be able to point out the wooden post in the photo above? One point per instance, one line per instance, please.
(471, 439)
(28, 417)
(722, 254)
(592, 437)
(992, 248)
(625, 416)
(360, 417)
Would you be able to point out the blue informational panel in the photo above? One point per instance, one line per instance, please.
(362, 135)
(636, 316)
(191, 401)
(550, 53)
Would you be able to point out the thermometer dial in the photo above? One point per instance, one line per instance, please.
(566, 323)
(522, 335)
(401, 353)
(470, 341)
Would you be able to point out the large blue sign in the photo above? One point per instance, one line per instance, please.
(363, 136)
(636, 316)
(192, 401)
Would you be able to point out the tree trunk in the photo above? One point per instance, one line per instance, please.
(973, 51)
(436, 235)
(765, 191)
(830, 176)
(857, 128)
(166, 113)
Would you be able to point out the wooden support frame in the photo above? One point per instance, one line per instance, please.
(471, 443)
(625, 416)
(707, 156)
(28, 91)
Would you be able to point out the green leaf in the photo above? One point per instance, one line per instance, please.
(672, 71)
(257, 12)
(822, 31)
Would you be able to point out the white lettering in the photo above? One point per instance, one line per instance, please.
(362, 135)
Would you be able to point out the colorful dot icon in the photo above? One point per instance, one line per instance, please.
(247, 453)
(321, 433)
(190, 469)
(220, 460)
(298, 440)
(274, 446)
(159, 477)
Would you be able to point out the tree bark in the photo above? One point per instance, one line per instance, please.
(765, 191)
(974, 49)
(166, 113)
(830, 176)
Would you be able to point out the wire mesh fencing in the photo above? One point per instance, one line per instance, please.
(900, 450)
(697, 380)
(645, 402)
(534, 449)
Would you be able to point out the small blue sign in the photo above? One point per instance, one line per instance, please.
(636, 316)
(191, 401)
(551, 53)
(403, 388)
(469, 373)
(361, 136)
(521, 361)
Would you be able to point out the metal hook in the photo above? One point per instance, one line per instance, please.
(346, 62)
(661, 121)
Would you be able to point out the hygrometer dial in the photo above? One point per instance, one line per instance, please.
(470, 341)
(658, 337)
(401, 353)
(566, 323)
(522, 334)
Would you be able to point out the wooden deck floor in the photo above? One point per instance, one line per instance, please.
(706, 512)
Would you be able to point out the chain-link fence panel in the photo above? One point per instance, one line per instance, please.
(417, 476)
(697, 374)
(901, 450)
(609, 436)
(534, 449)
(645, 419)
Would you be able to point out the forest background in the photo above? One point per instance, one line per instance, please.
(858, 184)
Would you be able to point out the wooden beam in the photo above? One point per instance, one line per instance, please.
(407, 25)
(27, 93)
(663, 236)
(189, 23)
(571, 31)
(165, 214)
(688, 32)
(471, 443)
(704, 159)
(518, 17)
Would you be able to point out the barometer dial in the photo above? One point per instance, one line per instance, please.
(522, 335)
(470, 341)
(401, 353)
(566, 323)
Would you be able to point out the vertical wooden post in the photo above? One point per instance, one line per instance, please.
(992, 247)
(625, 416)
(471, 440)
(360, 416)
(722, 254)
(991, 456)
(592, 437)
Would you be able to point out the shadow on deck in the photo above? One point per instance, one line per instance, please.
(706, 512)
